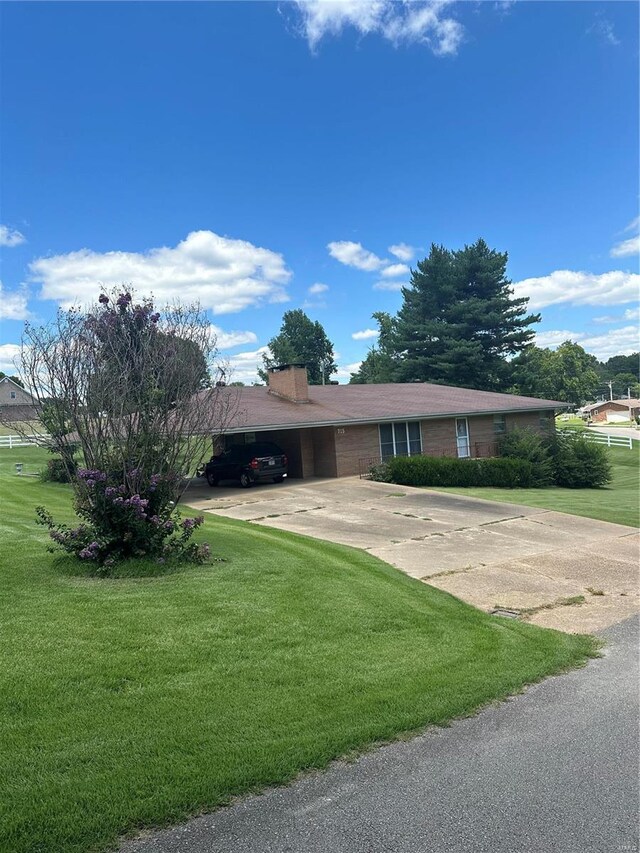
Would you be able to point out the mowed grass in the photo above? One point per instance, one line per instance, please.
(135, 702)
(618, 502)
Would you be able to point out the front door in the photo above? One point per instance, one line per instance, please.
(462, 437)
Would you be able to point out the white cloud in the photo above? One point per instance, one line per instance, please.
(390, 285)
(345, 370)
(634, 225)
(555, 338)
(13, 305)
(355, 255)
(394, 270)
(579, 288)
(418, 21)
(606, 318)
(365, 335)
(621, 341)
(10, 237)
(243, 366)
(226, 340)
(223, 274)
(632, 313)
(603, 28)
(317, 288)
(9, 358)
(403, 251)
(626, 247)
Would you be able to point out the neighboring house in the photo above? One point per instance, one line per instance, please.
(610, 411)
(16, 404)
(340, 430)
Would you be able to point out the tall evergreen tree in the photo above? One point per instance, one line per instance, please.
(460, 320)
(301, 341)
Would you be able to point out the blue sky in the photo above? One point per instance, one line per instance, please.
(268, 156)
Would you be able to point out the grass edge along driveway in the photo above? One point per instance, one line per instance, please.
(138, 701)
(618, 502)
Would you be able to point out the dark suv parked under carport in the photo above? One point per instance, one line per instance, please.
(258, 462)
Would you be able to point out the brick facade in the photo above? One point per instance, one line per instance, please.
(290, 382)
(349, 450)
(611, 407)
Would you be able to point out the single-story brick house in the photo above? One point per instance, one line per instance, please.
(626, 409)
(340, 430)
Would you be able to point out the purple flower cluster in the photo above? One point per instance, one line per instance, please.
(91, 476)
(103, 299)
(192, 523)
(138, 505)
(123, 300)
(90, 552)
(154, 317)
(112, 491)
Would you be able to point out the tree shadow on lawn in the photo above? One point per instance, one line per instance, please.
(140, 567)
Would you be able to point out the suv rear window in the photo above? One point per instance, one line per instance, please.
(264, 448)
(243, 452)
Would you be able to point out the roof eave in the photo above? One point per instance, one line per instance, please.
(546, 404)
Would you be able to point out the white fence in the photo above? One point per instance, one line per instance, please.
(611, 440)
(603, 438)
(23, 441)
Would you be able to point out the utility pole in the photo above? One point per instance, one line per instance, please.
(611, 389)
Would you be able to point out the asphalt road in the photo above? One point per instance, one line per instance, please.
(554, 770)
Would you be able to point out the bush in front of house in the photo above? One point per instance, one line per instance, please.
(58, 471)
(534, 448)
(449, 471)
(579, 463)
(121, 520)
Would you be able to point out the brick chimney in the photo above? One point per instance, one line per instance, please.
(289, 381)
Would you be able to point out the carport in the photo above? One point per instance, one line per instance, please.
(311, 452)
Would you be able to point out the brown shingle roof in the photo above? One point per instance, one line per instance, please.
(256, 408)
(628, 402)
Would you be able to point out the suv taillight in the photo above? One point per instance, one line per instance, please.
(253, 463)
(285, 461)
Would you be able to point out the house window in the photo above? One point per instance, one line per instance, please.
(400, 439)
(462, 438)
(544, 420)
(499, 424)
(12, 394)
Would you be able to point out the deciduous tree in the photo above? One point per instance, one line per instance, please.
(125, 383)
(567, 373)
(301, 341)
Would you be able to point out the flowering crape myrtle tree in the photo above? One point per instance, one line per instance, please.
(134, 389)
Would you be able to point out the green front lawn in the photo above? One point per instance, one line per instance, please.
(137, 701)
(618, 502)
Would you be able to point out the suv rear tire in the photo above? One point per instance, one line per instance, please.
(211, 480)
(245, 480)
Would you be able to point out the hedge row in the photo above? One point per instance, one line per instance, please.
(566, 459)
(528, 460)
(448, 471)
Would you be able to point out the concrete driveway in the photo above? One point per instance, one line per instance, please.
(492, 555)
